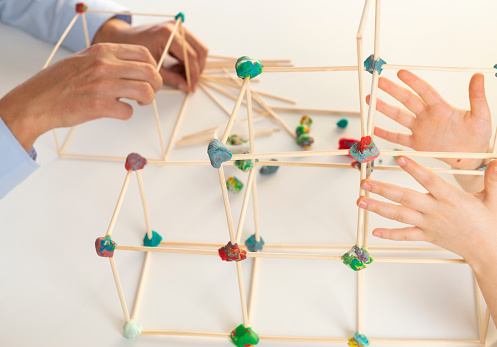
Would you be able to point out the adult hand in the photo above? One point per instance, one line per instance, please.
(155, 37)
(84, 86)
(436, 125)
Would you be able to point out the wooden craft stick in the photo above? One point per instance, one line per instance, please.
(168, 44)
(213, 98)
(290, 154)
(170, 90)
(438, 68)
(144, 202)
(256, 210)
(479, 308)
(57, 45)
(200, 132)
(159, 129)
(176, 127)
(235, 109)
(316, 111)
(243, 299)
(246, 198)
(59, 152)
(223, 92)
(310, 69)
(364, 18)
(214, 56)
(255, 269)
(183, 333)
(185, 56)
(85, 29)
(486, 321)
(425, 342)
(366, 227)
(133, 13)
(360, 67)
(119, 203)
(140, 285)
(360, 302)
(68, 138)
(309, 339)
(360, 211)
(208, 138)
(119, 289)
(227, 208)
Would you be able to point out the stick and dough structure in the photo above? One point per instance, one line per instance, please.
(218, 77)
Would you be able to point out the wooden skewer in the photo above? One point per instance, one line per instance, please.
(360, 66)
(185, 56)
(119, 203)
(214, 56)
(184, 333)
(374, 83)
(486, 321)
(57, 45)
(315, 111)
(169, 90)
(168, 44)
(360, 302)
(213, 98)
(255, 269)
(479, 309)
(59, 152)
(66, 142)
(246, 198)
(361, 211)
(85, 29)
(438, 68)
(227, 208)
(243, 300)
(231, 65)
(310, 68)
(366, 227)
(176, 127)
(144, 202)
(133, 13)
(223, 92)
(159, 129)
(235, 110)
(119, 290)
(140, 286)
(208, 138)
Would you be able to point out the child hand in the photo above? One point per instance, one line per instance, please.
(463, 223)
(436, 125)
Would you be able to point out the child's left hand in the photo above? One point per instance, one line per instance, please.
(463, 223)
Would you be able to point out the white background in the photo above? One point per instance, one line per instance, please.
(55, 291)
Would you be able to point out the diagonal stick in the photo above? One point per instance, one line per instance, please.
(119, 203)
(119, 290)
(176, 127)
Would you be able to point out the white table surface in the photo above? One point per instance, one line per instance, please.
(55, 291)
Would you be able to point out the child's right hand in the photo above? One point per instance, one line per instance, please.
(436, 125)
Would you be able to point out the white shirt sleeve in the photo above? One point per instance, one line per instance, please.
(17, 164)
(48, 19)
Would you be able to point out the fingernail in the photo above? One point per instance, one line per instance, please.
(401, 161)
(183, 87)
(363, 204)
(376, 233)
(366, 186)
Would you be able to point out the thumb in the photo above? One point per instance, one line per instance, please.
(491, 183)
(477, 98)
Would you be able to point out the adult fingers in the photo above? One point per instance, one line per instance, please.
(477, 97)
(431, 182)
(140, 91)
(133, 52)
(174, 79)
(140, 71)
(395, 212)
(399, 115)
(400, 234)
(402, 139)
(427, 93)
(199, 47)
(177, 51)
(404, 196)
(404, 95)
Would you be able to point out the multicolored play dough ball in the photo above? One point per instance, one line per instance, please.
(342, 123)
(135, 162)
(234, 140)
(244, 165)
(105, 246)
(244, 337)
(302, 129)
(357, 258)
(357, 165)
(81, 7)
(269, 170)
(306, 120)
(358, 340)
(234, 184)
(218, 153)
(305, 141)
(232, 252)
(364, 150)
(247, 67)
(253, 245)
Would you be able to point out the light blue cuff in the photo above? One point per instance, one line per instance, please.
(16, 163)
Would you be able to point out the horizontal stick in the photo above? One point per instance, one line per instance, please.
(427, 342)
(170, 90)
(439, 68)
(184, 333)
(310, 69)
(208, 138)
(133, 13)
(315, 111)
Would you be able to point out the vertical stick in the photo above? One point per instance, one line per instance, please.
(185, 55)
(119, 203)
(366, 227)
(59, 151)
(255, 268)
(250, 118)
(170, 146)
(360, 301)
(119, 289)
(479, 309)
(144, 202)
(168, 44)
(486, 321)
(227, 207)
(140, 285)
(256, 210)
(85, 28)
(159, 129)
(360, 67)
(60, 40)
(66, 142)
(246, 198)
(374, 83)
(361, 212)
(243, 299)
(235, 109)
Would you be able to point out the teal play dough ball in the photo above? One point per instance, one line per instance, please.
(247, 67)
